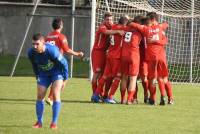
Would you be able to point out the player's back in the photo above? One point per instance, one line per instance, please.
(154, 41)
(57, 39)
(101, 39)
(131, 42)
(116, 40)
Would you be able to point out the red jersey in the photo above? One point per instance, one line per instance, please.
(131, 42)
(116, 40)
(153, 36)
(101, 39)
(59, 40)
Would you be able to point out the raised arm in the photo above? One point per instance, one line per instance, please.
(66, 48)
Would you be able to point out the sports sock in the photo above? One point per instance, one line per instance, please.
(94, 86)
(123, 95)
(145, 87)
(113, 89)
(99, 88)
(135, 94)
(56, 110)
(168, 88)
(152, 89)
(130, 95)
(161, 87)
(107, 86)
(39, 110)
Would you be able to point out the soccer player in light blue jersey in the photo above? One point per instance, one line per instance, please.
(50, 67)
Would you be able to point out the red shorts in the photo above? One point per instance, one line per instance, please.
(130, 66)
(157, 68)
(98, 58)
(143, 71)
(112, 68)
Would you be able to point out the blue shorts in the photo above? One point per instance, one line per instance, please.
(47, 80)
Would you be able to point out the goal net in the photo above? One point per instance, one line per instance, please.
(183, 16)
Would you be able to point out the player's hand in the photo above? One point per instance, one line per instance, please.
(121, 32)
(80, 54)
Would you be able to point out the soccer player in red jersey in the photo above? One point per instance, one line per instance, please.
(113, 62)
(130, 59)
(153, 34)
(98, 55)
(57, 38)
(143, 72)
(163, 82)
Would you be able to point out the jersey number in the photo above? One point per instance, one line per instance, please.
(112, 40)
(128, 36)
(154, 38)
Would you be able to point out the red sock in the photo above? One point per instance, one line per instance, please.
(168, 88)
(161, 87)
(152, 89)
(113, 88)
(107, 86)
(145, 87)
(123, 95)
(130, 95)
(135, 94)
(99, 88)
(94, 86)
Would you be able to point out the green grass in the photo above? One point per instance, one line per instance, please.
(23, 68)
(79, 116)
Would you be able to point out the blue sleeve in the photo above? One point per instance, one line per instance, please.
(34, 65)
(59, 58)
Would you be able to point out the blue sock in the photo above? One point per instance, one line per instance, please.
(56, 110)
(39, 110)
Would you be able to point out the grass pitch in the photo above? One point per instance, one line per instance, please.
(79, 116)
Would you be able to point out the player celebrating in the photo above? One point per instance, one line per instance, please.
(163, 82)
(57, 38)
(153, 34)
(98, 55)
(113, 63)
(130, 63)
(50, 67)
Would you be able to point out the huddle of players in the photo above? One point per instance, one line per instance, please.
(128, 50)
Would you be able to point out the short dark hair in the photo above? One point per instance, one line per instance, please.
(138, 19)
(122, 20)
(145, 20)
(152, 15)
(37, 36)
(107, 14)
(56, 23)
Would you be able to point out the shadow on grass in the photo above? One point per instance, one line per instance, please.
(13, 126)
(76, 101)
(20, 101)
(17, 101)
